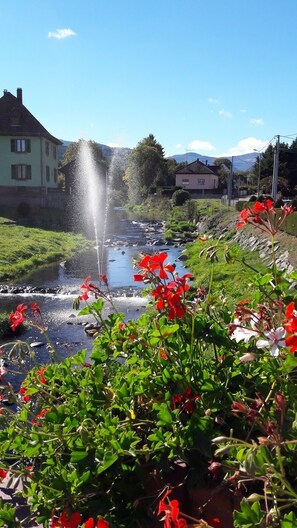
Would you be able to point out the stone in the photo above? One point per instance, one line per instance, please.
(37, 344)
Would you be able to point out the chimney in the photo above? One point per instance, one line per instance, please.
(20, 95)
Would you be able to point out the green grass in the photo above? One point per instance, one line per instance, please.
(23, 249)
(230, 280)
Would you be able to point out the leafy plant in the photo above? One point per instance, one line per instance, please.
(190, 393)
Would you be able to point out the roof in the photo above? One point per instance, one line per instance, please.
(16, 120)
(197, 167)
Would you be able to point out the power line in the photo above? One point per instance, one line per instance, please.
(290, 135)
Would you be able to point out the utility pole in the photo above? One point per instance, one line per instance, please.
(275, 169)
(229, 185)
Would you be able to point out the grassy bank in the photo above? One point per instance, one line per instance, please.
(217, 267)
(23, 249)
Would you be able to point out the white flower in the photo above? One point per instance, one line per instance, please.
(3, 369)
(242, 334)
(274, 340)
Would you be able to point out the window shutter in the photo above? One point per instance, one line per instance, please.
(13, 172)
(28, 145)
(28, 172)
(12, 145)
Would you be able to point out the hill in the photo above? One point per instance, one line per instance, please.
(108, 152)
(240, 163)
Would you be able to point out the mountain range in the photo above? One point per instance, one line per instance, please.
(240, 163)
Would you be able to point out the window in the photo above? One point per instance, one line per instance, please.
(54, 152)
(47, 173)
(185, 181)
(55, 175)
(47, 148)
(20, 145)
(201, 181)
(21, 172)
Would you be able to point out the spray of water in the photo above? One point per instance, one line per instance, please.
(92, 184)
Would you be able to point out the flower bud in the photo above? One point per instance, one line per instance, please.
(248, 357)
(254, 497)
(220, 439)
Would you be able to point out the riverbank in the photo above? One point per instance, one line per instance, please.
(24, 249)
(220, 249)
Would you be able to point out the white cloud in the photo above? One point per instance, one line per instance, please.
(246, 146)
(256, 122)
(61, 33)
(200, 145)
(224, 113)
(243, 110)
(212, 100)
(179, 145)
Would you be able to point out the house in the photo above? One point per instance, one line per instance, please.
(197, 177)
(28, 156)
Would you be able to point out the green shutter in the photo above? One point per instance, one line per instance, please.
(12, 145)
(28, 145)
(28, 172)
(13, 172)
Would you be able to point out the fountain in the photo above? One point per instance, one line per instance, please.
(92, 197)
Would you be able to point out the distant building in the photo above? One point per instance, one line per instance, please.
(28, 156)
(197, 177)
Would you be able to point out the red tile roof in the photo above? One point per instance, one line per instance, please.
(16, 120)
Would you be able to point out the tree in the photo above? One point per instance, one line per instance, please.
(146, 169)
(292, 165)
(224, 165)
(266, 161)
(72, 151)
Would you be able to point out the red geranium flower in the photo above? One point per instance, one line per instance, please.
(102, 523)
(18, 317)
(103, 278)
(64, 522)
(35, 309)
(186, 401)
(41, 376)
(264, 215)
(2, 473)
(87, 288)
(158, 264)
(291, 342)
(171, 509)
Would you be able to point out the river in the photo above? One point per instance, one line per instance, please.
(55, 287)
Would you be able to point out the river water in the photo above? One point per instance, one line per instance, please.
(56, 286)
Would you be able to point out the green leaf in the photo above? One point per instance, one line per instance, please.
(109, 459)
(23, 415)
(76, 456)
(98, 305)
(289, 521)
(85, 311)
(165, 415)
(165, 331)
(249, 516)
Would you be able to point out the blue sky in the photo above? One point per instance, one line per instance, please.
(217, 77)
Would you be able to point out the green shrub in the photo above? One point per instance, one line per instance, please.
(180, 197)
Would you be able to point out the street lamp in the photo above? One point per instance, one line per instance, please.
(259, 171)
